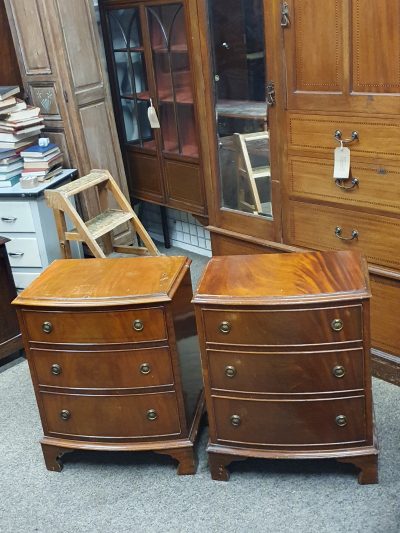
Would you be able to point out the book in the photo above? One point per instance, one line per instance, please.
(22, 115)
(18, 126)
(18, 145)
(8, 90)
(6, 152)
(18, 106)
(39, 151)
(20, 134)
(5, 169)
(45, 158)
(9, 175)
(7, 104)
(10, 160)
(43, 165)
(42, 175)
(10, 182)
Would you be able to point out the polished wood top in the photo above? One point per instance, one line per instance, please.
(105, 282)
(279, 278)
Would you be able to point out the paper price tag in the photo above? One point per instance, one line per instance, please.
(152, 114)
(341, 169)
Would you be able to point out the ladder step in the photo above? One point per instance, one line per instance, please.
(101, 224)
(82, 184)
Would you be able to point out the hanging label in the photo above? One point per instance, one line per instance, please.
(341, 170)
(152, 114)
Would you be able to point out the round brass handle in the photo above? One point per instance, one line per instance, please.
(338, 371)
(230, 371)
(225, 327)
(152, 415)
(138, 325)
(235, 420)
(65, 414)
(47, 327)
(337, 324)
(341, 420)
(145, 368)
(56, 369)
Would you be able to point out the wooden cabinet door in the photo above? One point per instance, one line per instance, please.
(344, 56)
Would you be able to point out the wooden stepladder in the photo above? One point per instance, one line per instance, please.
(102, 224)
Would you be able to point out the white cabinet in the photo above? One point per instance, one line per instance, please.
(29, 224)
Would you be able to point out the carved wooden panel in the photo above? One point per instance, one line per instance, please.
(385, 305)
(45, 98)
(30, 31)
(376, 46)
(80, 43)
(57, 136)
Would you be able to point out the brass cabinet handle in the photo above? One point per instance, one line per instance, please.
(338, 371)
(225, 327)
(354, 183)
(152, 415)
(338, 136)
(65, 414)
(230, 371)
(145, 368)
(235, 420)
(337, 324)
(341, 420)
(338, 234)
(47, 327)
(56, 369)
(138, 325)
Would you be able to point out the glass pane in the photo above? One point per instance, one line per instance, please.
(173, 78)
(137, 127)
(125, 29)
(238, 45)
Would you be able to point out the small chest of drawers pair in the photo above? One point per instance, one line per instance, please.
(114, 358)
(286, 359)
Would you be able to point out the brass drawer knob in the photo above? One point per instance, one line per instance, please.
(337, 324)
(230, 371)
(56, 369)
(65, 414)
(225, 327)
(341, 420)
(47, 327)
(338, 371)
(235, 420)
(145, 368)
(152, 415)
(138, 325)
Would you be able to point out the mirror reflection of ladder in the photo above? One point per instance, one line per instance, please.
(248, 192)
(101, 225)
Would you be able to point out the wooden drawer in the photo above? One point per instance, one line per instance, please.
(378, 187)
(314, 226)
(377, 138)
(298, 422)
(286, 372)
(119, 369)
(23, 279)
(385, 307)
(96, 326)
(15, 217)
(24, 252)
(111, 416)
(283, 327)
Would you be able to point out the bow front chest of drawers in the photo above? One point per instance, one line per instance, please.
(114, 358)
(286, 359)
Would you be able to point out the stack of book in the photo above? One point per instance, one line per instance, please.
(11, 165)
(20, 124)
(42, 162)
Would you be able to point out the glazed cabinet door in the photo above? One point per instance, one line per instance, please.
(343, 57)
(149, 59)
(243, 118)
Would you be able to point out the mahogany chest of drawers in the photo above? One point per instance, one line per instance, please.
(285, 347)
(114, 358)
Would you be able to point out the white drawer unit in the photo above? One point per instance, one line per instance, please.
(26, 220)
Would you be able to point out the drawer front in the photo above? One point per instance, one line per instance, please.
(117, 369)
(286, 372)
(24, 252)
(96, 327)
(300, 422)
(385, 306)
(315, 226)
(378, 186)
(277, 328)
(379, 138)
(111, 416)
(15, 217)
(23, 279)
